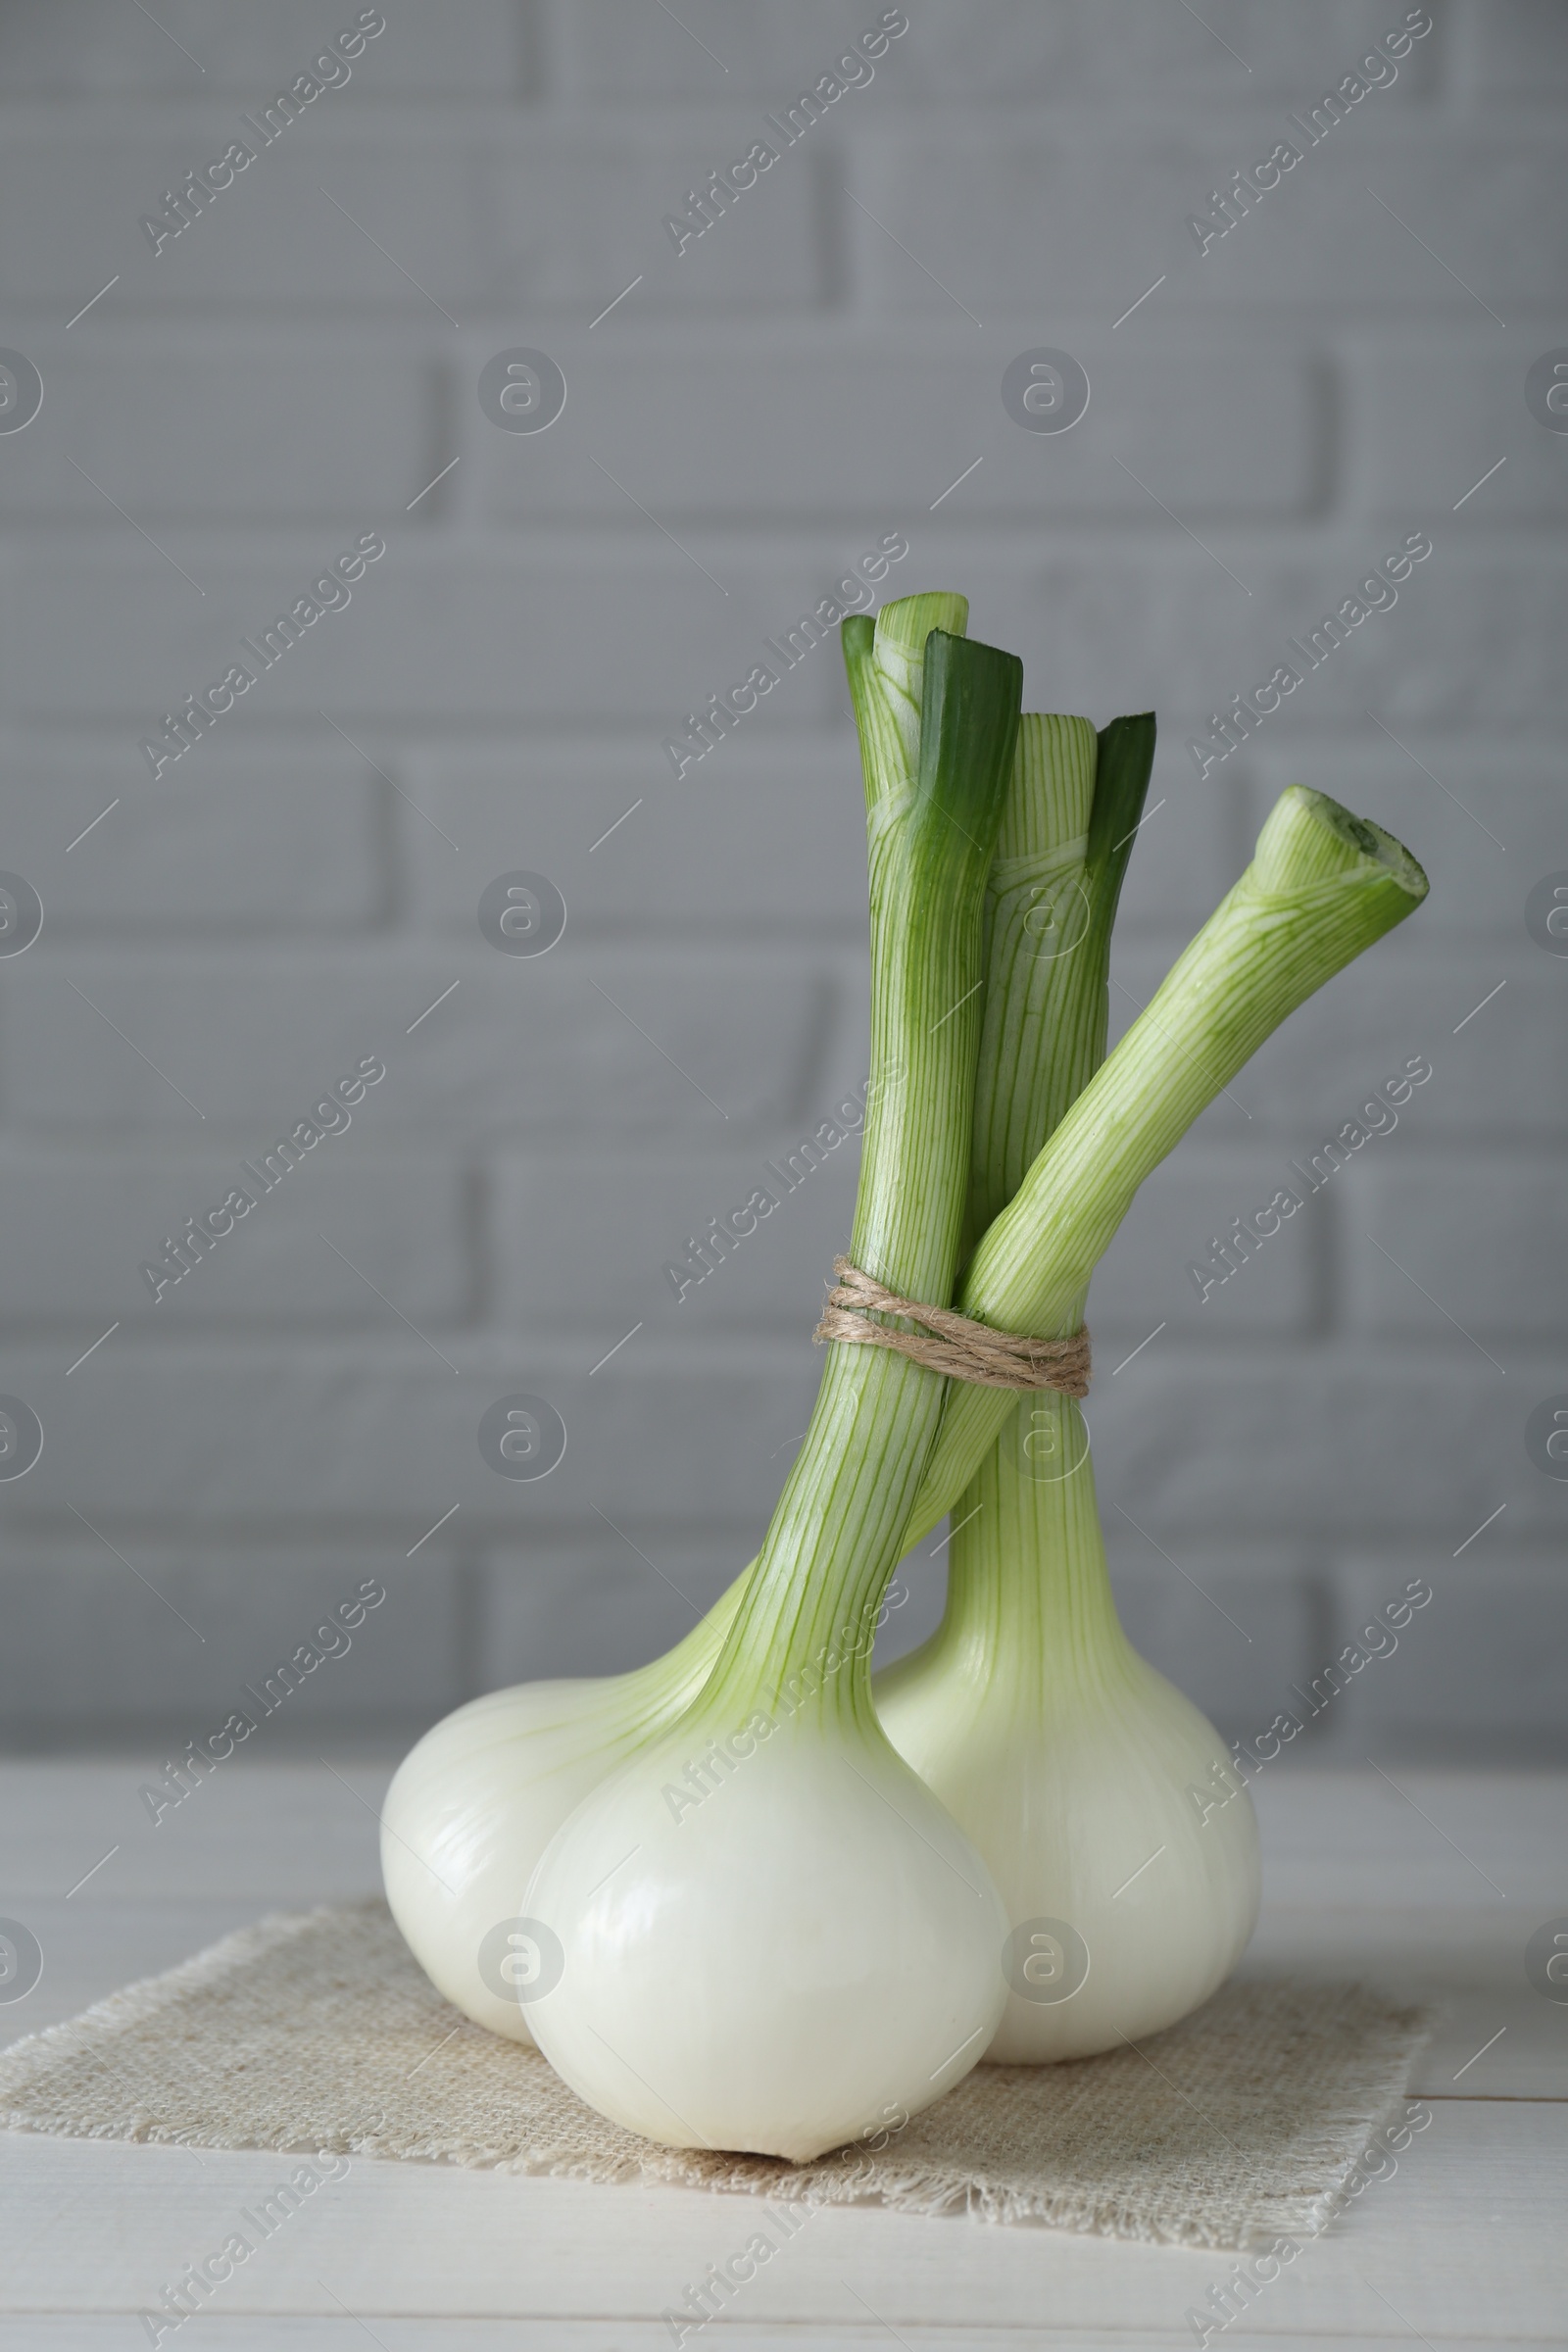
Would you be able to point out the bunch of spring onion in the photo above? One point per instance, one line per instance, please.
(753, 1897)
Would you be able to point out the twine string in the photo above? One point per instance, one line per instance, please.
(950, 1342)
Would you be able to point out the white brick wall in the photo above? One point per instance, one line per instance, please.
(811, 373)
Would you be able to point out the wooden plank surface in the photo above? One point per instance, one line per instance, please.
(1463, 2241)
(1464, 2245)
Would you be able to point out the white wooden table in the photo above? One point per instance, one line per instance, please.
(1431, 1887)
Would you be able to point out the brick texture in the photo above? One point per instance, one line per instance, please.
(750, 411)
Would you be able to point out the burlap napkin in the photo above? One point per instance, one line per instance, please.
(317, 2031)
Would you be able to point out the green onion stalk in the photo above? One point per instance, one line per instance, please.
(1322, 887)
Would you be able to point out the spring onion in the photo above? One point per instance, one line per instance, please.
(762, 1955)
(1062, 1752)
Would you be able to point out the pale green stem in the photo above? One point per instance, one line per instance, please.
(1037, 948)
(1029, 1613)
(836, 1534)
(1322, 886)
(1044, 1039)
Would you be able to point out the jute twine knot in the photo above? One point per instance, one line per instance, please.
(950, 1342)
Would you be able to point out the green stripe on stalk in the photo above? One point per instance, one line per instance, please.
(836, 1535)
(1065, 841)
(1322, 886)
(1036, 918)
(1077, 799)
(1122, 768)
(898, 653)
(883, 663)
(1029, 1612)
